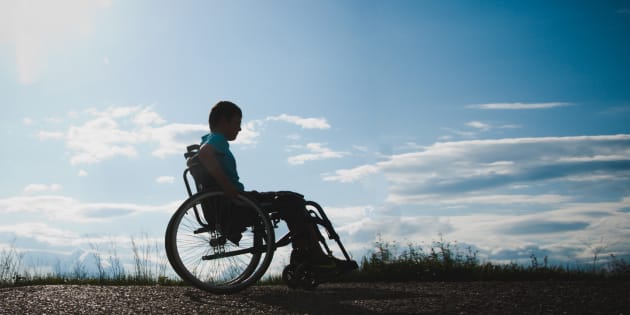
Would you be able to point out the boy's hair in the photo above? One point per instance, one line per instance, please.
(223, 109)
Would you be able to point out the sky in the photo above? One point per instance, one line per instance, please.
(499, 125)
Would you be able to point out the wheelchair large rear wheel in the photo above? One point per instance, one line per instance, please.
(203, 245)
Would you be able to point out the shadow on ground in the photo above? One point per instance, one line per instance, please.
(332, 300)
(340, 300)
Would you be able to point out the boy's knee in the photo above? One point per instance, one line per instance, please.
(289, 200)
(290, 205)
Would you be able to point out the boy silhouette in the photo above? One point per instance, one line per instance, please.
(216, 157)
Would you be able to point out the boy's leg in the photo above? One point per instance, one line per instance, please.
(304, 237)
(291, 208)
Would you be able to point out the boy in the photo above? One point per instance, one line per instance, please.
(215, 155)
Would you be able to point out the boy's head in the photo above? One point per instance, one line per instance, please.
(225, 117)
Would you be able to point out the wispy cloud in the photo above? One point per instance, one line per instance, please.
(512, 236)
(353, 174)
(306, 123)
(170, 138)
(317, 151)
(461, 133)
(466, 190)
(481, 199)
(573, 225)
(520, 106)
(165, 180)
(451, 169)
(478, 125)
(39, 188)
(42, 233)
(61, 240)
(123, 130)
(67, 209)
(250, 132)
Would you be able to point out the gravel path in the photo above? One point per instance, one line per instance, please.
(345, 298)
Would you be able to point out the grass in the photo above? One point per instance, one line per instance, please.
(445, 261)
(149, 267)
(441, 261)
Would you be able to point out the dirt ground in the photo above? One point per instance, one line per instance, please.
(343, 298)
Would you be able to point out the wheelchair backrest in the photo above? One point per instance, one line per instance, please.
(203, 179)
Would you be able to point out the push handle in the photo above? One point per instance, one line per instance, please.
(192, 150)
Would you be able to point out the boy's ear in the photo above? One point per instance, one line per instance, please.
(222, 120)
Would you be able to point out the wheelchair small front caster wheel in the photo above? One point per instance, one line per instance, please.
(306, 277)
(289, 277)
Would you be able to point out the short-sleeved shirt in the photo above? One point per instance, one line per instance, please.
(224, 156)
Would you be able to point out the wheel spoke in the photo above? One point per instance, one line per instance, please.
(231, 267)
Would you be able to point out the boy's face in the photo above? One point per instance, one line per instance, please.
(232, 127)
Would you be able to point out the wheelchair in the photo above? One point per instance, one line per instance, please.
(223, 245)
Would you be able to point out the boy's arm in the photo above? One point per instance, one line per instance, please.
(209, 161)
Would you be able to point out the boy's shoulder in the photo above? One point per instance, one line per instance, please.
(217, 141)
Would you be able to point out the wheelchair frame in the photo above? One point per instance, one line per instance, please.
(319, 218)
(294, 275)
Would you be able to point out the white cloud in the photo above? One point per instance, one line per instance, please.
(345, 215)
(60, 240)
(122, 130)
(351, 175)
(62, 208)
(402, 229)
(33, 27)
(39, 188)
(306, 123)
(119, 131)
(146, 116)
(167, 137)
(42, 233)
(451, 169)
(478, 125)
(570, 224)
(165, 180)
(100, 139)
(466, 134)
(520, 106)
(564, 231)
(595, 158)
(480, 199)
(27, 121)
(465, 191)
(509, 126)
(82, 173)
(249, 133)
(318, 151)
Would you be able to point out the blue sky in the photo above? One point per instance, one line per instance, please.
(500, 125)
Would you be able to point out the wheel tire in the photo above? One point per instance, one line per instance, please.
(227, 267)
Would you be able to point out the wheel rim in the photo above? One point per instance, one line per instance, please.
(210, 261)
